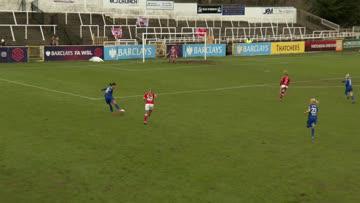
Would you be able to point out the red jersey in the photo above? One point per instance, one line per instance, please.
(149, 98)
(285, 81)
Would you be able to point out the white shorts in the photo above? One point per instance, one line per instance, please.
(149, 107)
(284, 87)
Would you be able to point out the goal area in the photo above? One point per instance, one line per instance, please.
(189, 45)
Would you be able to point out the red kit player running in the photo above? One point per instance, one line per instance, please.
(149, 99)
(284, 85)
(173, 54)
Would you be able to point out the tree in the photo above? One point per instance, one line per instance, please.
(343, 12)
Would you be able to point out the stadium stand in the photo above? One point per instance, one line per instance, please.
(76, 26)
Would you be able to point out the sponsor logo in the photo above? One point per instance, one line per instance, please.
(159, 5)
(233, 9)
(112, 53)
(209, 9)
(189, 51)
(252, 49)
(17, 54)
(124, 1)
(72, 52)
(323, 45)
(268, 11)
(198, 50)
(98, 52)
(287, 47)
(129, 52)
(3, 54)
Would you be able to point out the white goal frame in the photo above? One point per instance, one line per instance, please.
(183, 40)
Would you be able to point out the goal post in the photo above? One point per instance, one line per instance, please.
(36, 53)
(174, 38)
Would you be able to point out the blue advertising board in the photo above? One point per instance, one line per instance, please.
(252, 49)
(198, 50)
(128, 52)
(233, 9)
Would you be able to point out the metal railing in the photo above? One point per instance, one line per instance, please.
(12, 26)
(128, 27)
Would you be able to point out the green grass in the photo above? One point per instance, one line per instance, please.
(227, 141)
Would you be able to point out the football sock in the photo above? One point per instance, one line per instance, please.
(312, 134)
(111, 108)
(145, 118)
(353, 99)
(117, 107)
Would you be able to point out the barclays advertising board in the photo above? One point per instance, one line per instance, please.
(198, 50)
(128, 52)
(252, 49)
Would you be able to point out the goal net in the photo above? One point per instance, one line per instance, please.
(188, 46)
(36, 53)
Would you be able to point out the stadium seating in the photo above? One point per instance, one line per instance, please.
(85, 27)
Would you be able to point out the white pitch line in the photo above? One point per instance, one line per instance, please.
(238, 87)
(47, 89)
(174, 92)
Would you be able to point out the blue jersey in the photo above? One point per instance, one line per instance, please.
(348, 83)
(312, 117)
(313, 111)
(109, 95)
(109, 92)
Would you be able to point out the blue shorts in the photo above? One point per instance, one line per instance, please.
(348, 90)
(312, 121)
(109, 100)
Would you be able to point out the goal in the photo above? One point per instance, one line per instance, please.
(36, 53)
(192, 45)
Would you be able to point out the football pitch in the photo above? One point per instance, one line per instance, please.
(218, 133)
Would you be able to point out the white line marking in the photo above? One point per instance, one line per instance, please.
(177, 92)
(239, 87)
(47, 89)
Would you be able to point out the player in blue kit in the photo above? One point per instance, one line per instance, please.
(348, 88)
(109, 99)
(312, 112)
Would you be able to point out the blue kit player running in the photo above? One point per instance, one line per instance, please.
(109, 99)
(312, 112)
(348, 88)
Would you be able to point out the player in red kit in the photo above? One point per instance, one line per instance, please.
(149, 99)
(284, 85)
(173, 54)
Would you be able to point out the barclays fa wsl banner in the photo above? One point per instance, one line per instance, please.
(252, 49)
(198, 50)
(128, 52)
(71, 53)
